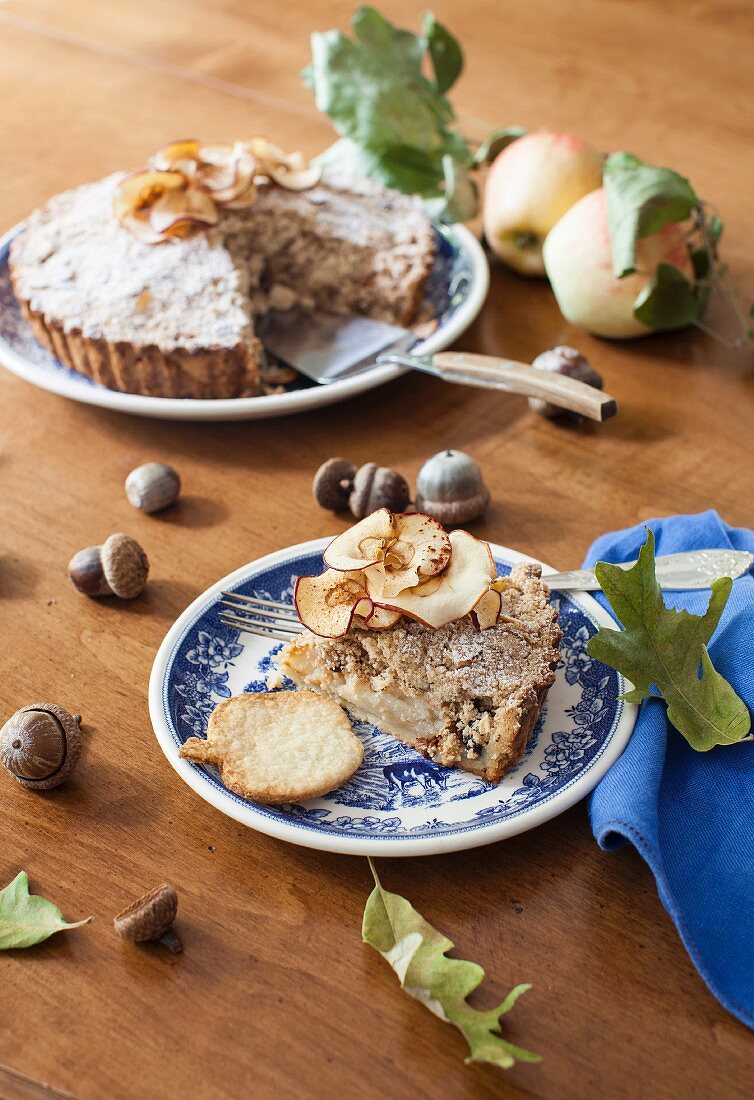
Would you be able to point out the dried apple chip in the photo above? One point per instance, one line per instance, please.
(487, 611)
(421, 548)
(326, 604)
(175, 213)
(461, 586)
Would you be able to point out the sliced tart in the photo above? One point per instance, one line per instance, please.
(465, 692)
(150, 282)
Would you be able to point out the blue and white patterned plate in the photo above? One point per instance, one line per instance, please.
(397, 804)
(457, 290)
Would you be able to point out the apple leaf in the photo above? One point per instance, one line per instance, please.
(395, 124)
(458, 201)
(446, 55)
(26, 919)
(417, 953)
(669, 301)
(667, 648)
(641, 200)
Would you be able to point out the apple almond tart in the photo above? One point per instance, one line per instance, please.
(151, 282)
(410, 629)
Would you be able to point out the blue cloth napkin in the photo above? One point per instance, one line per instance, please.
(691, 814)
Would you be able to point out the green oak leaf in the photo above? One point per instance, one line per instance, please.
(668, 301)
(417, 953)
(668, 648)
(641, 200)
(26, 919)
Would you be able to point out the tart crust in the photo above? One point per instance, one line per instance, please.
(145, 369)
(462, 698)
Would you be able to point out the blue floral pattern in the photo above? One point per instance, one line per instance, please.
(396, 792)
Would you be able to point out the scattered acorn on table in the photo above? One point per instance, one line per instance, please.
(150, 918)
(571, 363)
(117, 568)
(40, 745)
(450, 488)
(153, 487)
(339, 485)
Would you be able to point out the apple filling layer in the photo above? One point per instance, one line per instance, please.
(464, 698)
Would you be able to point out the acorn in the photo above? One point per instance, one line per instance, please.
(571, 363)
(338, 484)
(117, 568)
(40, 745)
(451, 489)
(153, 487)
(149, 919)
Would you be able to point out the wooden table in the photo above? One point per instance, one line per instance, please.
(275, 995)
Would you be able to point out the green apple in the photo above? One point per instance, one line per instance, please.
(530, 185)
(579, 266)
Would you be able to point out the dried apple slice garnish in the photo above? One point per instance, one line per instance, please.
(364, 543)
(227, 171)
(176, 213)
(139, 190)
(326, 604)
(296, 179)
(136, 195)
(463, 584)
(176, 155)
(420, 549)
(486, 612)
(396, 551)
(382, 619)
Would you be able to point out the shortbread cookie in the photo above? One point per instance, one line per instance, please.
(285, 746)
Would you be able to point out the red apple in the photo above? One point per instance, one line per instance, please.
(580, 269)
(531, 184)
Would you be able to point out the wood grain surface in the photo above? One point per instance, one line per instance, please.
(275, 995)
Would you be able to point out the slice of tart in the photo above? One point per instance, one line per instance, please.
(464, 697)
(171, 313)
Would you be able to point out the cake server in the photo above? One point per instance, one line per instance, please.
(688, 569)
(328, 347)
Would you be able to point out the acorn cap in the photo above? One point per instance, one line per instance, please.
(40, 745)
(125, 565)
(149, 917)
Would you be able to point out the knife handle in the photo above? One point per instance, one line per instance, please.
(513, 377)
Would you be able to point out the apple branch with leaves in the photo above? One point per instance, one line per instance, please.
(642, 200)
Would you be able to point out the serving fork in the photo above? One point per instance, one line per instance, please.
(687, 570)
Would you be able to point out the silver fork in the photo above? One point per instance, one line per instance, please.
(258, 615)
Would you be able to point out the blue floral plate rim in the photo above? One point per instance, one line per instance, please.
(371, 835)
(20, 353)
